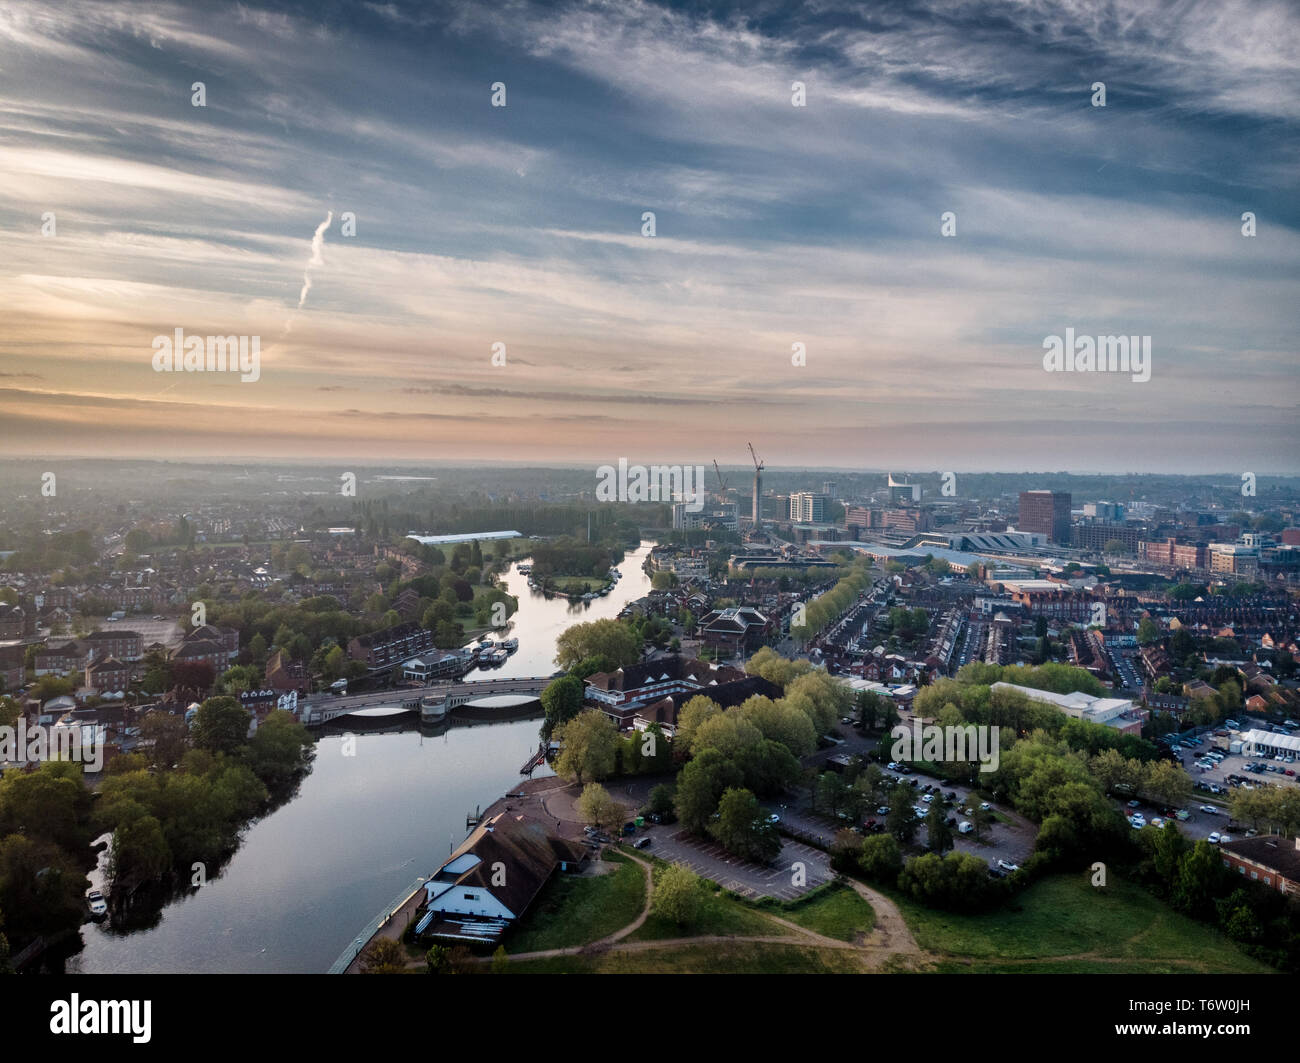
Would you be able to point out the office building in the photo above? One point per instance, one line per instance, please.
(1047, 512)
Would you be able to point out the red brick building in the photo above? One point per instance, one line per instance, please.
(1268, 859)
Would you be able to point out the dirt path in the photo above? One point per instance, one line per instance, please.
(889, 940)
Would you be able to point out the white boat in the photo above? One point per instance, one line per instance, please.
(495, 657)
(510, 645)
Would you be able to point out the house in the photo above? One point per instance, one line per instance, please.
(221, 645)
(1268, 859)
(284, 673)
(488, 883)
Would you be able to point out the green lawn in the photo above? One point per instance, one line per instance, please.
(838, 912)
(1119, 928)
(575, 909)
(720, 913)
(731, 958)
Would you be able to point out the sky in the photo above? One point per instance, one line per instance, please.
(127, 212)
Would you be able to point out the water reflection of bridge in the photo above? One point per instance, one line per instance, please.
(433, 703)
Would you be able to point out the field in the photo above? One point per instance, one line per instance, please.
(575, 909)
(1063, 925)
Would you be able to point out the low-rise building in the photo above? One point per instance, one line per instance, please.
(1119, 713)
(391, 646)
(492, 878)
(1268, 859)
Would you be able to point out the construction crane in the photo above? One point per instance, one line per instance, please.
(722, 483)
(758, 489)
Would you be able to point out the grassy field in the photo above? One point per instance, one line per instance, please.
(720, 913)
(576, 909)
(837, 912)
(1119, 928)
(729, 958)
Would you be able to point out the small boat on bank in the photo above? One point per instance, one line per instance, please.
(494, 657)
(510, 645)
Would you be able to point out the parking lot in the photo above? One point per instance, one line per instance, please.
(168, 632)
(710, 860)
(1012, 841)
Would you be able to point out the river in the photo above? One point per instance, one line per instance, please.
(309, 876)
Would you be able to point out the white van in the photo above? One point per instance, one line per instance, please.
(964, 827)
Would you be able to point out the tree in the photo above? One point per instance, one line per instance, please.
(678, 895)
(383, 956)
(661, 799)
(881, 859)
(1148, 633)
(611, 639)
(693, 715)
(561, 701)
(938, 835)
(699, 786)
(742, 828)
(1166, 783)
(1200, 877)
(588, 742)
(598, 808)
(438, 960)
(901, 821)
(220, 725)
(279, 749)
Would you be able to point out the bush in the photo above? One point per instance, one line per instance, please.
(881, 859)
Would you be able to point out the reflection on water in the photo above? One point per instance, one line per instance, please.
(309, 875)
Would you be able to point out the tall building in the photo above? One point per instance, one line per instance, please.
(830, 488)
(807, 507)
(1047, 512)
(758, 498)
(900, 494)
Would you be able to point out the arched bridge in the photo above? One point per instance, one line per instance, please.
(432, 702)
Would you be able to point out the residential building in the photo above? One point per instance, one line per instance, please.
(807, 507)
(283, 673)
(108, 674)
(391, 646)
(112, 642)
(12, 667)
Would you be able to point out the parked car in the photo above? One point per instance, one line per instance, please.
(642, 842)
(965, 827)
(986, 806)
(1209, 810)
(883, 810)
(1214, 838)
(1003, 865)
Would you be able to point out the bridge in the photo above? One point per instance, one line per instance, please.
(433, 702)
